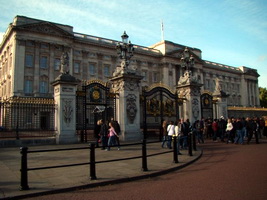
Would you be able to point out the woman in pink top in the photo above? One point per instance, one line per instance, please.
(112, 136)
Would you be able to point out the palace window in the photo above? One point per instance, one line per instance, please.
(92, 69)
(43, 62)
(155, 77)
(29, 60)
(43, 87)
(76, 67)
(28, 89)
(207, 84)
(106, 70)
(144, 74)
(57, 64)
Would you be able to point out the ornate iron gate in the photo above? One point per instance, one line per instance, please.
(94, 102)
(159, 104)
(206, 106)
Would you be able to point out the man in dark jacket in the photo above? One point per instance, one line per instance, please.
(252, 130)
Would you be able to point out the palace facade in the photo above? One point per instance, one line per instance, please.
(31, 50)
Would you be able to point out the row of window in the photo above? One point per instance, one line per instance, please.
(92, 69)
(28, 87)
(225, 87)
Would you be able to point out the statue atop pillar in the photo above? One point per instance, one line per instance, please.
(65, 69)
(187, 63)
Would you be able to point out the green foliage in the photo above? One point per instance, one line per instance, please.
(263, 97)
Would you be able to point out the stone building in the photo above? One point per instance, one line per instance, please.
(30, 59)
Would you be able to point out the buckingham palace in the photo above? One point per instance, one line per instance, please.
(31, 59)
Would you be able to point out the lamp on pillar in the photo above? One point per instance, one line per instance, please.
(125, 50)
(187, 61)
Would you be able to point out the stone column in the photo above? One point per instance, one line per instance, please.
(190, 92)
(128, 109)
(220, 98)
(65, 86)
(65, 115)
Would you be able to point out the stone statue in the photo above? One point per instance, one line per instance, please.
(217, 85)
(65, 63)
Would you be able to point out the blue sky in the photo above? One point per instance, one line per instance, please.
(230, 32)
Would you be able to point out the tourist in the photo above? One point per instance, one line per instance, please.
(252, 127)
(171, 132)
(104, 134)
(239, 132)
(96, 132)
(117, 129)
(177, 131)
(185, 129)
(221, 128)
(229, 128)
(164, 133)
(199, 131)
(112, 136)
(215, 128)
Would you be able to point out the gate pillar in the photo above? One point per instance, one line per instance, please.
(65, 115)
(220, 101)
(126, 85)
(189, 89)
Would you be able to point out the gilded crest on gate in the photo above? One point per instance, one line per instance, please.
(153, 106)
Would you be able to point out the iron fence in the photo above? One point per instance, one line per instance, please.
(27, 117)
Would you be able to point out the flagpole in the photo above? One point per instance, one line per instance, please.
(162, 31)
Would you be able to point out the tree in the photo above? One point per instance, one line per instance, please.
(263, 97)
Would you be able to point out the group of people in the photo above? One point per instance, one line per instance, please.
(236, 130)
(180, 129)
(232, 130)
(107, 134)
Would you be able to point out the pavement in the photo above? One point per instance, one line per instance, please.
(65, 179)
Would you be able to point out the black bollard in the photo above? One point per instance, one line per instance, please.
(24, 169)
(92, 162)
(144, 156)
(190, 144)
(175, 150)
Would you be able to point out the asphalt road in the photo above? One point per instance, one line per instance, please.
(225, 171)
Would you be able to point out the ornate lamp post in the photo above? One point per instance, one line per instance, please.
(187, 61)
(125, 51)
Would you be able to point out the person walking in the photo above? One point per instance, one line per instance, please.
(222, 127)
(164, 133)
(112, 136)
(215, 128)
(177, 131)
(199, 131)
(252, 130)
(185, 129)
(229, 128)
(104, 134)
(96, 132)
(239, 132)
(117, 129)
(171, 132)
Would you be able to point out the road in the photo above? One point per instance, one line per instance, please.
(225, 171)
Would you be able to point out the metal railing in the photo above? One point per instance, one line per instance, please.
(27, 117)
(92, 164)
